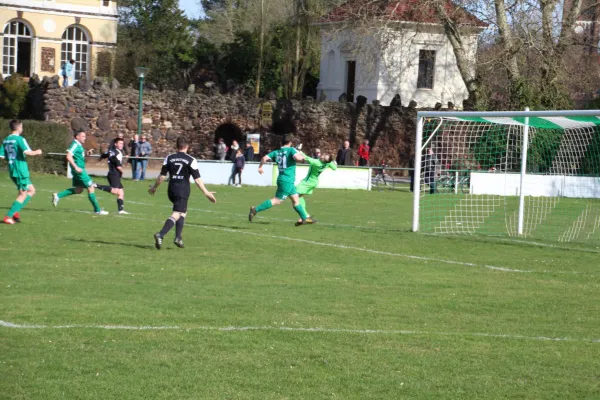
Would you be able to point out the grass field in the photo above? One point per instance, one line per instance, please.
(356, 307)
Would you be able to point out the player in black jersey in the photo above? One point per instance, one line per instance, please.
(115, 172)
(180, 166)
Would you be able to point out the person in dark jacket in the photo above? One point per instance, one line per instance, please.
(134, 153)
(344, 155)
(232, 152)
(429, 165)
(249, 152)
(238, 167)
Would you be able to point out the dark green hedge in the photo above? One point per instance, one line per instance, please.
(50, 137)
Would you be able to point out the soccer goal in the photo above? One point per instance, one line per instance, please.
(522, 174)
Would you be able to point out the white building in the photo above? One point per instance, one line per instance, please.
(399, 47)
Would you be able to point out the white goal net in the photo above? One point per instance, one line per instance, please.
(526, 174)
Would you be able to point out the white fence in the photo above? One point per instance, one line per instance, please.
(218, 173)
(535, 185)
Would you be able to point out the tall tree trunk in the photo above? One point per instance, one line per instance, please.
(464, 62)
(508, 42)
(261, 48)
(296, 71)
(553, 51)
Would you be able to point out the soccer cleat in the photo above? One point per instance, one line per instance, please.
(252, 214)
(179, 243)
(157, 241)
(102, 212)
(307, 221)
(9, 221)
(55, 199)
(123, 212)
(17, 218)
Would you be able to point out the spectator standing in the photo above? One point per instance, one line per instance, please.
(233, 151)
(134, 152)
(430, 162)
(220, 150)
(344, 155)
(249, 152)
(145, 149)
(238, 167)
(67, 72)
(364, 150)
(317, 153)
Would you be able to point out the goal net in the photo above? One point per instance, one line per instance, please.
(522, 174)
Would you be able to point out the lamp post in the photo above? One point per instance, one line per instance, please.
(141, 73)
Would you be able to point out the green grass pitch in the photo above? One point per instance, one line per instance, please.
(356, 307)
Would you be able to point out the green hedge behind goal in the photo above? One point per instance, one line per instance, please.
(478, 175)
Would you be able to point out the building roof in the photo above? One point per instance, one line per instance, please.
(419, 11)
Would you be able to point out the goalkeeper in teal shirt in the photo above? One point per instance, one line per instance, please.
(316, 167)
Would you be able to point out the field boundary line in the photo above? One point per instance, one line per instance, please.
(11, 325)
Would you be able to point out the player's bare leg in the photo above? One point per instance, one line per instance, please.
(120, 193)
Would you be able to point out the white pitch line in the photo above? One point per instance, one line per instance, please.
(346, 247)
(11, 325)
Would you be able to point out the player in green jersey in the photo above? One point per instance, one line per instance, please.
(316, 167)
(285, 158)
(81, 180)
(14, 149)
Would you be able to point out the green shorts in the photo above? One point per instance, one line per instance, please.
(82, 180)
(22, 183)
(305, 187)
(284, 190)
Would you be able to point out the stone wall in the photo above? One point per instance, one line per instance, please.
(103, 112)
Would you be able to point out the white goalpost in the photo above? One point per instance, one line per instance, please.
(527, 174)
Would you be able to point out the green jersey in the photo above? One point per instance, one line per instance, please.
(316, 168)
(76, 149)
(13, 149)
(284, 157)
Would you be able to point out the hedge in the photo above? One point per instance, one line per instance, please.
(50, 137)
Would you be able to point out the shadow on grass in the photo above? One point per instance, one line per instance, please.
(232, 227)
(105, 242)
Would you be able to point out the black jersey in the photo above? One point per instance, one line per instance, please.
(180, 167)
(115, 160)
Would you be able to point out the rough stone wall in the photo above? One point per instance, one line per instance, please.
(104, 112)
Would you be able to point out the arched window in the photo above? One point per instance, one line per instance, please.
(75, 46)
(16, 49)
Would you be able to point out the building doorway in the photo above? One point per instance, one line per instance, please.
(350, 80)
(24, 57)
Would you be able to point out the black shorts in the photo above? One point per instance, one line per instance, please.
(180, 204)
(114, 181)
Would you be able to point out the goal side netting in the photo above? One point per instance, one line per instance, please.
(526, 174)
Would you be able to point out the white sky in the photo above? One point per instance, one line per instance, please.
(192, 8)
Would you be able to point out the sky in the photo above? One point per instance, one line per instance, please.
(192, 8)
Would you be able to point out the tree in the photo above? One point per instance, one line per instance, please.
(155, 34)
